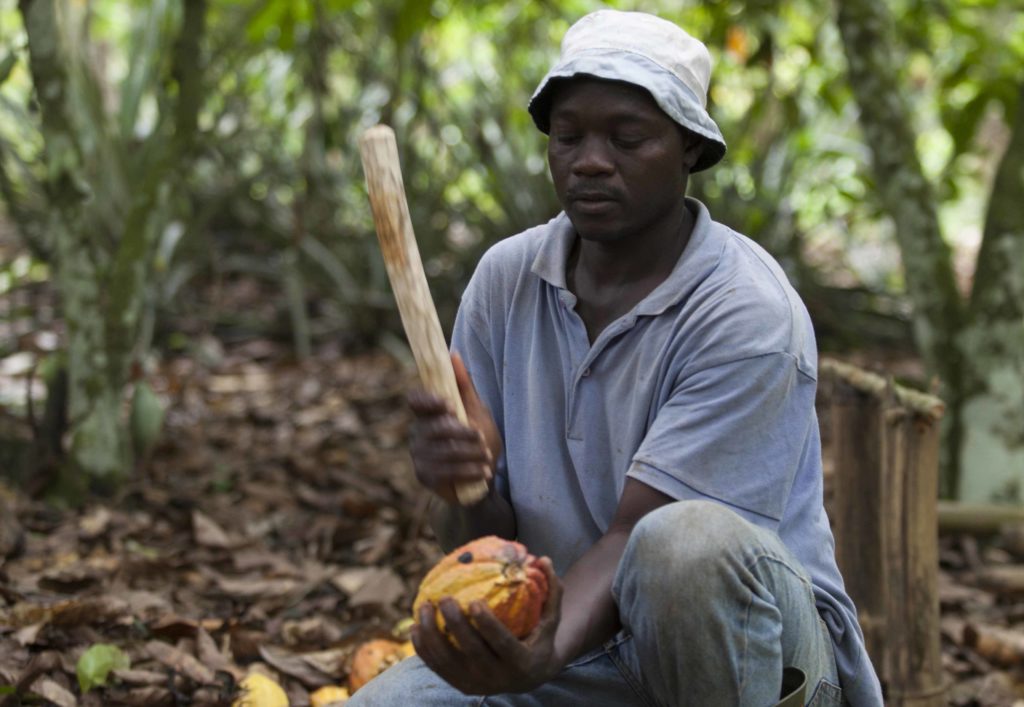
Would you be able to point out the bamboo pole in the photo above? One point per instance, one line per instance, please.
(856, 510)
(886, 443)
(910, 448)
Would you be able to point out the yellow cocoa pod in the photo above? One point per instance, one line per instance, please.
(499, 572)
(260, 691)
(373, 658)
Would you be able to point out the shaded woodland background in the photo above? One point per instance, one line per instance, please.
(195, 319)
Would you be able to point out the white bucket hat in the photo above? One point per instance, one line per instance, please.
(648, 52)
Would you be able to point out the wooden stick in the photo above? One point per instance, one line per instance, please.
(408, 281)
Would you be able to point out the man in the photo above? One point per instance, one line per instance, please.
(640, 383)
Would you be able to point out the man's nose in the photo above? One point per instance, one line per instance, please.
(593, 157)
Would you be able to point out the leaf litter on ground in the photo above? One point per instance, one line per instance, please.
(276, 526)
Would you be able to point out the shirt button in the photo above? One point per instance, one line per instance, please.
(586, 372)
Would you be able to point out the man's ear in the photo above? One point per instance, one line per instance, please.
(693, 146)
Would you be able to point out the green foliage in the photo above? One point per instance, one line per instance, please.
(96, 664)
(266, 182)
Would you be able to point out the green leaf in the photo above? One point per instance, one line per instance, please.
(96, 663)
(413, 16)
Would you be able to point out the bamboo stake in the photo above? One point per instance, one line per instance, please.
(857, 510)
(910, 448)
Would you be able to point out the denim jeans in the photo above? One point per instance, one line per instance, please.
(713, 608)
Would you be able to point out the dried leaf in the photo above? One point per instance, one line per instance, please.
(73, 612)
(79, 575)
(370, 585)
(256, 588)
(329, 662)
(51, 691)
(996, 644)
(174, 626)
(314, 630)
(27, 636)
(93, 611)
(94, 524)
(1007, 580)
(292, 664)
(180, 661)
(140, 677)
(208, 533)
(211, 656)
(377, 546)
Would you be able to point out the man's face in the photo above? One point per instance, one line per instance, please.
(619, 164)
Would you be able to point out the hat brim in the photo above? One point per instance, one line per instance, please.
(672, 95)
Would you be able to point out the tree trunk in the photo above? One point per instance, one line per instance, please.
(978, 353)
(82, 259)
(103, 245)
(991, 452)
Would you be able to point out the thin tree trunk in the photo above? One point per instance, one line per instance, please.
(992, 451)
(98, 442)
(103, 245)
(908, 198)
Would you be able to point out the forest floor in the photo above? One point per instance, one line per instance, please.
(277, 526)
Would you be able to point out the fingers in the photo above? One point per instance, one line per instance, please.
(460, 666)
(430, 642)
(499, 639)
(426, 404)
(467, 636)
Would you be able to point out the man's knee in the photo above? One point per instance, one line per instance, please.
(683, 544)
(411, 677)
(690, 531)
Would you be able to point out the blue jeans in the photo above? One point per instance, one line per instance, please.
(713, 608)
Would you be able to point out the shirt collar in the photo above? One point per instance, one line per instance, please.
(696, 262)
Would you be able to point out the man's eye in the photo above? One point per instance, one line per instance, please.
(629, 141)
(566, 138)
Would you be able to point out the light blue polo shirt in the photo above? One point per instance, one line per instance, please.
(705, 390)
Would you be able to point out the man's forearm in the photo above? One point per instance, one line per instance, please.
(589, 614)
(455, 525)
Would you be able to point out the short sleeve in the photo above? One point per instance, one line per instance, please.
(471, 341)
(734, 433)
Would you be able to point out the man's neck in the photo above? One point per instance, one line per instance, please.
(609, 279)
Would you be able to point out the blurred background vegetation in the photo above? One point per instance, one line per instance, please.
(181, 174)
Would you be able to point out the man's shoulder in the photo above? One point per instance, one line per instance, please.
(747, 303)
(518, 251)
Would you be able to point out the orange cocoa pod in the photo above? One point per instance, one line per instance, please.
(373, 658)
(499, 572)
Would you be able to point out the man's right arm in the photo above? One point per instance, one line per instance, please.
(446, 452)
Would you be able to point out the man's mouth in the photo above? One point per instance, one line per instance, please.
(591, 201)
(591, 196)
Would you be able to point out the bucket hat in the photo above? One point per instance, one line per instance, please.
(646, 51)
